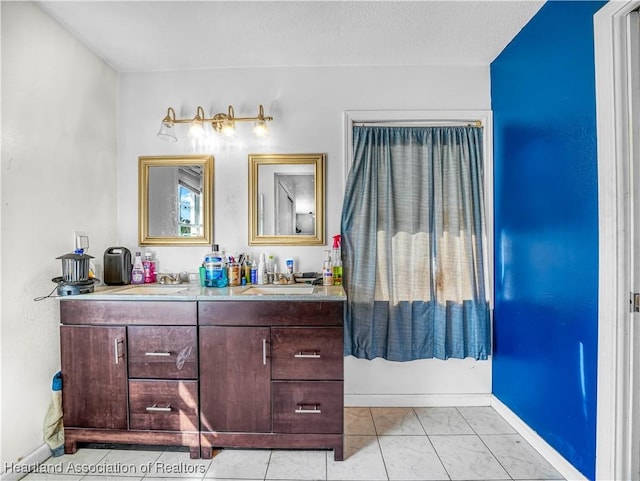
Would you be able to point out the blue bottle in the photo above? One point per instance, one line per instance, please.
(215, 271)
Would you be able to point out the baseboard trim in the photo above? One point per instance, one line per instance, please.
(28, 463)
(564, 467)
(416, 400)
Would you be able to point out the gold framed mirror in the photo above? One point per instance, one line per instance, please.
(286, 199)
(175, 200)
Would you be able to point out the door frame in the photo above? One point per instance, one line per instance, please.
(614, 434)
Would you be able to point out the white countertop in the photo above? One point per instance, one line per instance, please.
(195, 292)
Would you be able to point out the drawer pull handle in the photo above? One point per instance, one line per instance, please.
(307, 355)
(264, 352)
(116, 350)
(159, 409)
(155, 353)
(304, 410)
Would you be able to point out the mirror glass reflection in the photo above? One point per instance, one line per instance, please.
(175, 200)
(286, 199)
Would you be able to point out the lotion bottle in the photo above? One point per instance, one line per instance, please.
(327, 270)
(137, 272)
(262, 268)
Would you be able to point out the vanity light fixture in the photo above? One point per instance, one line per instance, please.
(224, 123)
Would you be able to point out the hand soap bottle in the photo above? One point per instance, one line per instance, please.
(149, 267)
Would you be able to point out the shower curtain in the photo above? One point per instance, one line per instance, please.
(413, 230)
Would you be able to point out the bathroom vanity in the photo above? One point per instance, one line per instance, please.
(204, 368)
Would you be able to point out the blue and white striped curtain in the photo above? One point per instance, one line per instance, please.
(413, 230)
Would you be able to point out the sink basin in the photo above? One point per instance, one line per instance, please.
(153, 290)
(277, 290)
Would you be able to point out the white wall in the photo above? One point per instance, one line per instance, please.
(58, 176)
(308, 106)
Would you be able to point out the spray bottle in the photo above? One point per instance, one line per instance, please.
(336, 258)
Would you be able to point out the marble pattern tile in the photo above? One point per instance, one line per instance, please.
(411, 458)
(74, 464)
(111, 478)
(362, 461)
(396, 422)
(297, 465)
(239, 463)
(176, 464)
(443, 420)
(466, 457)
(485, 420)
(39, 476)
(425, 444)
(358, 421)
(519, 458)
(127, 463)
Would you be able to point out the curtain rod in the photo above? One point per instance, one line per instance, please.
(419, 123)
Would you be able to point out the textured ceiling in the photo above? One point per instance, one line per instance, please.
(185, 35)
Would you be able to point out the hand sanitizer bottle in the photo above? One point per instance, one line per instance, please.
(137, 272)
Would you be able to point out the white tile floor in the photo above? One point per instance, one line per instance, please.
(466, 443)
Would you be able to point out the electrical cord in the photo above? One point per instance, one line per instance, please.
(47, 296)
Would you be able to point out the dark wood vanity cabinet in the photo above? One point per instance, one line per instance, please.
(130, 373)
(235, 379)
(271, 375)
(203, 374)
(94, 376)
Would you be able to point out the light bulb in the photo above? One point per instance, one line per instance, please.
(260, 128)
(228, 130)
(196, 130)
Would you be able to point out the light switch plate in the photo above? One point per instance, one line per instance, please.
(81, 240)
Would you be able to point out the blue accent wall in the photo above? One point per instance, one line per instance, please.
(546, 228)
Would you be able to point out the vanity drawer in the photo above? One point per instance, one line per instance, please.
(163, 405)
(307, 407)
(270, 313)
(163, 352)
(307, 353)
(166, 313)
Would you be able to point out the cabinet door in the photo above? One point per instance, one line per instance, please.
(235, 379)
(94, 376)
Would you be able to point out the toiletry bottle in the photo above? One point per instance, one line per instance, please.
(215, 269)
(270, 278)
(262, 270)
(149, 267)
(137, 272)
(247, 270)
(289, 262)
(327, 270)
(336, 258)
(254, 273)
